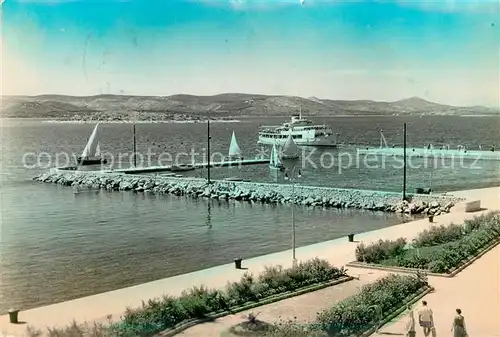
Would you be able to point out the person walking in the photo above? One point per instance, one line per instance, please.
(458, 327)
(426, 319)
(410, 324)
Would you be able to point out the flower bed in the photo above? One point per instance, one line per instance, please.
(439, 250)
(199, 303)
(359, 314)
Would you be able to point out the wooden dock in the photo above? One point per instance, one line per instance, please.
(432, 153)
(151, 169)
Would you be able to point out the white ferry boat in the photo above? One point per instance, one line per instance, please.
(304, 133)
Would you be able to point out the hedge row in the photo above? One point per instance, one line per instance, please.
(360, 312)
(162, 314)
(438, 249)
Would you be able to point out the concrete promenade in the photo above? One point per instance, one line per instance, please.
(475, 290)
(338, 252)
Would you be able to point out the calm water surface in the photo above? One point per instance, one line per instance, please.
(57, 245)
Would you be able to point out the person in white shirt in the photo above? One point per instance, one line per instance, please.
(410, 324)
(425, 319)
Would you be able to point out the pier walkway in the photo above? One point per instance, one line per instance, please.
(231, 163)
(432, 153)
(339, 252)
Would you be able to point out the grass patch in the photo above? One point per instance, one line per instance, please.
(166, 313)
(438, 249)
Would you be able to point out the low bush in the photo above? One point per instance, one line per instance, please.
(477, 221)
(437, 235)
(161, 314)
(380, 250)
(438, 249)
(292, 328)
(358, 313)
(73, 330)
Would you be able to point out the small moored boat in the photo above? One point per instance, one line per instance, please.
(181, 167)
(91, 154)
(290, 150)
(234, 150)
(237, 179)
(275, 162)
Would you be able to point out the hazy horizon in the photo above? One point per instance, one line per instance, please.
(444, 52)
(241, 93)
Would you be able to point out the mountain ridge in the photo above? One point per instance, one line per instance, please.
(109, 106)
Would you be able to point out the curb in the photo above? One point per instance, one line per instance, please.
(411, 300)
(454, 272)
(272, 299)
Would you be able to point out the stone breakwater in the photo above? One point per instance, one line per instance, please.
(254, 192)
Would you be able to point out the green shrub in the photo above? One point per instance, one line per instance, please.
(437, 267)
(413, 260)
(291, 328)
(158, 315)
(379, 250)
(74, 330)
(439, 249)
(438, 235)
(359, 312)
(481, 220)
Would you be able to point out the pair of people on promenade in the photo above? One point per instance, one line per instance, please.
(426, 321)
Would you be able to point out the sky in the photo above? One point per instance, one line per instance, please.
(443, 51)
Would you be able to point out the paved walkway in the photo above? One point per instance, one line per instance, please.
(304, 308)
(476, 290)
(338, 252)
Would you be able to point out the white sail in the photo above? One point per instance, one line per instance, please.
(290, 150)
(90, 148)
(275, 161)
(272, 161)
(234, 149)
(98, 150)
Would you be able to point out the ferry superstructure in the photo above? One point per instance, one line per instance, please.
(304, 133)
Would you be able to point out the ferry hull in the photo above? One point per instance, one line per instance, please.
(323, 142)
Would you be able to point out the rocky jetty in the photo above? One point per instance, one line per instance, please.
(254, 192)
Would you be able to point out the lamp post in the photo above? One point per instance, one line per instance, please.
(292, 179)
(430, 187)
(208, 150)
(404, 162)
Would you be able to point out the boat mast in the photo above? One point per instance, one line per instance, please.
(404, 162)
(300, 112)
(208, 149)
(135, 155)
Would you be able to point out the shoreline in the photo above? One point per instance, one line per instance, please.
(339, 252)
(200, 121)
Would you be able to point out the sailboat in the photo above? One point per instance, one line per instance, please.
(91, 154)
(234, 150)
(290, 150)
(275, 162)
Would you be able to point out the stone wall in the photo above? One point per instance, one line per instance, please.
(256, 192)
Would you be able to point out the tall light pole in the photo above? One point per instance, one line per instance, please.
(135, 148)
(208, 149)
(430, 187)
(292, 179)
(404, 161)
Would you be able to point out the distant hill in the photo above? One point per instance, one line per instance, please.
(118, 107)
